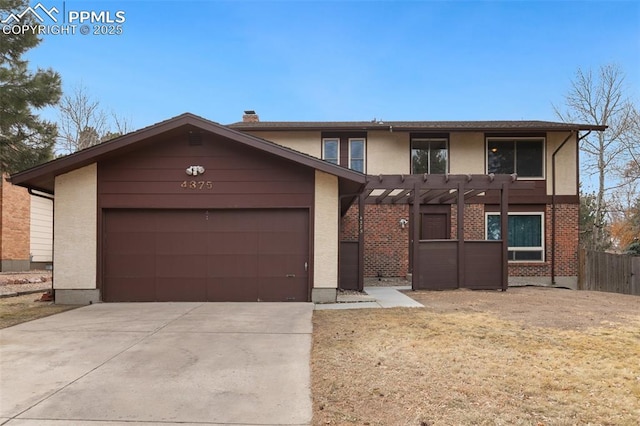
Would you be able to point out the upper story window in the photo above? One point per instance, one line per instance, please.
(331, 150)
(346, 149)
(356, 154)
(429, 155)
(524, 156)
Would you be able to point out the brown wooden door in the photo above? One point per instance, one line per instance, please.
(206, 255)
(434, 226)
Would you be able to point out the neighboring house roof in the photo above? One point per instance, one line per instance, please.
(417, 126)
(42, 177)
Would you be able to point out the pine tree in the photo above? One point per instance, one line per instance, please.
(25, 139)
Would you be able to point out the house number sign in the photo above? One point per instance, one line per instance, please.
(196, 185)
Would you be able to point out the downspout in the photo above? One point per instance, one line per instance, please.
(553, 200)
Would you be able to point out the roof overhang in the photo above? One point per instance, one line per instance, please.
(509, 126)
(42, 177)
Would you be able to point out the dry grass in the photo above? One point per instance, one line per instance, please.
(16, 310)
(474, 361)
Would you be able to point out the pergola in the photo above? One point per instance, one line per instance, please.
(451, 263)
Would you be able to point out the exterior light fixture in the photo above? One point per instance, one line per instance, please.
(195, 170)
(403, 223)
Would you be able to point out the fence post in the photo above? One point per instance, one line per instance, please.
(581, 256)
(635, 275)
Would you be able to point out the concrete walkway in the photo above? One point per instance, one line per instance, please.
(159, 363)
(376, 297)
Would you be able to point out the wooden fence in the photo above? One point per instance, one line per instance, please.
(615, 273)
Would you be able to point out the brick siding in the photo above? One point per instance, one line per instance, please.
(15, 206)
(473, 221)
(566, 246)
(387, 244)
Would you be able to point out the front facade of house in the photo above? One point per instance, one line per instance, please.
(543, 220)
(190, 210)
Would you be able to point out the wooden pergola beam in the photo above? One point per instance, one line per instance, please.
(400, 196)
(433, 194)
(471, 182)
(384, 195)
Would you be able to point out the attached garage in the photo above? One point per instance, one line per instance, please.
(253, 255)
(188, 210)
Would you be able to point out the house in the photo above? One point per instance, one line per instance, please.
(191, 210)
(542, 219)
(26, 229)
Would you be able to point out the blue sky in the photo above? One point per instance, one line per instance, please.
(401, 60)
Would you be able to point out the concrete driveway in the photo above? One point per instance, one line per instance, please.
(143, 363)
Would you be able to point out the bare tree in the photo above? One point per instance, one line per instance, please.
(83, 122)
(601, 100)
(631, 142)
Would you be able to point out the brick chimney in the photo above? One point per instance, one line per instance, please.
(250, 116)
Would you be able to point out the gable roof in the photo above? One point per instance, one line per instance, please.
(417, 126)
(42, 177)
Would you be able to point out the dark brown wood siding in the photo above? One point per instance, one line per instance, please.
(348, 265)
(235, 177)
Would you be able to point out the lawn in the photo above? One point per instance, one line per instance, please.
(528, 356)
(15, 310)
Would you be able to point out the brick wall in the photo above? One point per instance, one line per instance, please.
(15, 205)
(349, 224)
(567, 232)
(386, 247)
(473, 221)
(566, 246)
(386, 243)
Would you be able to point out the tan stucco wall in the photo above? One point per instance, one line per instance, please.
(466, 153)
(566, 164)
(388, 153)
(325, 232)
(75, 233)
(307, 142)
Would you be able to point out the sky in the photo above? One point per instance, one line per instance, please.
(341, 60)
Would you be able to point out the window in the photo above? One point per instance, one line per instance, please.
(356, 154)
(429, 156)
(331, 150)
(526, 232)
(524, 156)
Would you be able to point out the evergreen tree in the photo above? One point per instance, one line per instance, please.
(25, 139)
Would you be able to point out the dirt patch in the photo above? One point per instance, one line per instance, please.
(525, 356)
(16, 310)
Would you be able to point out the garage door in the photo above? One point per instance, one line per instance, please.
(205, 255)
